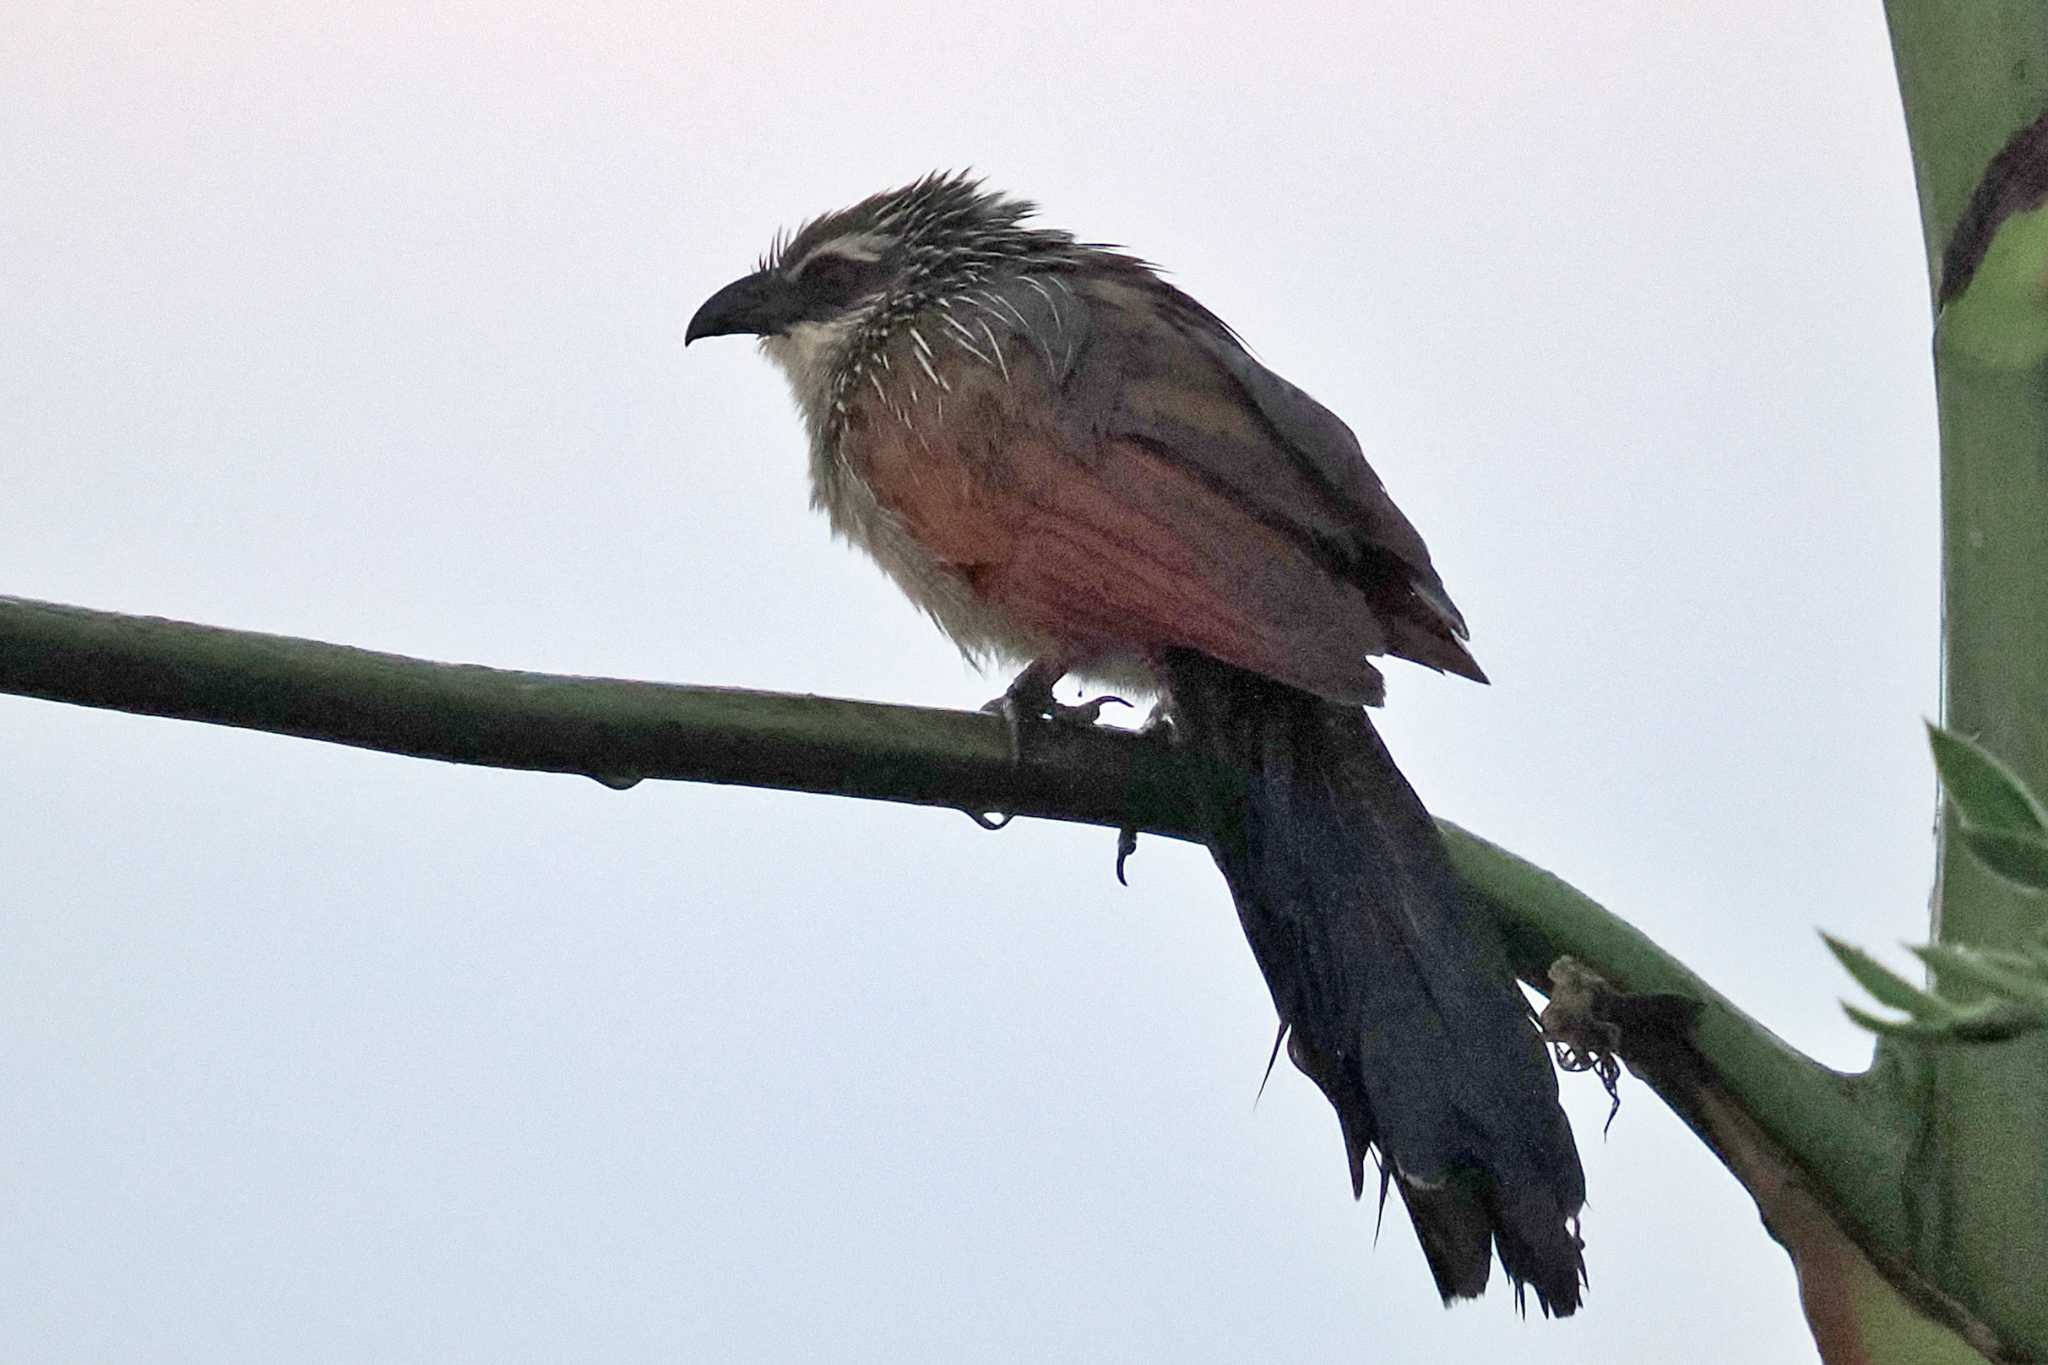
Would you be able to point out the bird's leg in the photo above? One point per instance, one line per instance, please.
(1029, 693)
(1028, 701)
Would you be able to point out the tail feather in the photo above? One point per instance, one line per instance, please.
(1392, 983)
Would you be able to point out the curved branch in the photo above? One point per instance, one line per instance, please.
(620, 732)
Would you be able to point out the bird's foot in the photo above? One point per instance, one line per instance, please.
(1028, 705)
(1028, 702)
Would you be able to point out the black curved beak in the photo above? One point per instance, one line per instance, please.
(760, 304)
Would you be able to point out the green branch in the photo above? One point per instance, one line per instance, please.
(1842, 1130)
(620, 732)
(615, 731)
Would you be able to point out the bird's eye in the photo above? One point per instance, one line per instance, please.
(832, 278)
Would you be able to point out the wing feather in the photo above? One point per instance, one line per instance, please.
(1183, 497)
(1163, 370)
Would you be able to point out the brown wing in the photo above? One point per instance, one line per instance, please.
(1118, 552)
(1176, 516)
(1161, 370)
(1134, 552)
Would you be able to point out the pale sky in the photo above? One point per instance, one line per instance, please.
(365, 323)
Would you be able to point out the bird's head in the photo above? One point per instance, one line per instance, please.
(889, 255)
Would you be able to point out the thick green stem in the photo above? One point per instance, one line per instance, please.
(1972, 76)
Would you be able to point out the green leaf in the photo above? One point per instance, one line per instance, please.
(1921, 1030)
(1987, 794)
(2000, 977)
(1997, 1022)
(2021, 859)
(1886, 986)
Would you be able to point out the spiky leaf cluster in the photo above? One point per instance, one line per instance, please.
(2004, 826)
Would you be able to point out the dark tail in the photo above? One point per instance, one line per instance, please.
(1392, 984)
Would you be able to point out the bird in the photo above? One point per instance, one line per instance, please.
(1070, 464)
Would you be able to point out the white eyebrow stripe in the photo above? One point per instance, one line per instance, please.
(864, 247)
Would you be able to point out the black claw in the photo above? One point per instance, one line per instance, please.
(1126, 845)
(1088, 712)
(989, 822)
(1029, 701)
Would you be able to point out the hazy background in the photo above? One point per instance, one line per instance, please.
(364, 323)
